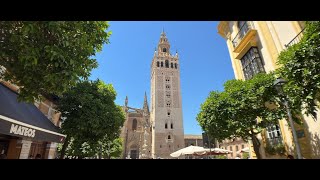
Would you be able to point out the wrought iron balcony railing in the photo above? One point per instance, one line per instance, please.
(242, 32)
(275, 141)
(296, 39)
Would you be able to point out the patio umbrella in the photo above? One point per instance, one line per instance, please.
(187, 151)
(246, 149)
(212, 151)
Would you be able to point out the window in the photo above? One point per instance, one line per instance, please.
(274, 135)
(169, 137)
(178, 146)
(175, 65)
(230, 148)
(241, 24)
(168, 113)
(242, 146)
(161, 64)
(171, 65)
(243, 28)
(158, 63)
(134, 124)
(160, 146)
(167, 79)
(167, 63)
(168, 87)
(164, 50)
(169, 146)
(252, 63)
(237, 148)
(168, 95)
(166, 126)
(171, 125)
(168, 105)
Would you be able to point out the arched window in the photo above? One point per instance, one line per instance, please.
(167, 64)
(171, 65)
(169, 137)
(171, 125)
(158, 63)
(164, 50)
(161, 64)
(166, 126)
(134, 124)
(175, 65)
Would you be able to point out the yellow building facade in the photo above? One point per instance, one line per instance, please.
(254, 47)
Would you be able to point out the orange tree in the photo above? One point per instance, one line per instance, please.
(47, 57)
(235, 111)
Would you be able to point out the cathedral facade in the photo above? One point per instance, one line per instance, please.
(159, 132)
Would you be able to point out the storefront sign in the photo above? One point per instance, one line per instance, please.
(31, 132)
(23, 131)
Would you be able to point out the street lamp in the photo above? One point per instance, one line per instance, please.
(278, 83)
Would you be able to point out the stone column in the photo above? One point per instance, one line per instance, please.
(51, 150)
(25, 149)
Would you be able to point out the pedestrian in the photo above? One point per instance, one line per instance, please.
(290, 157)
(3, 155)
(38, 156)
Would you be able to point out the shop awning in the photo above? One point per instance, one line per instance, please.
(25, 120)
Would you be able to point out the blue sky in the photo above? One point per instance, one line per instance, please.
(204, 62)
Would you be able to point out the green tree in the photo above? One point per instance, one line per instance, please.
(90, 114)
(47, 57)
(111, 148)
(300, 65)
(243, 109)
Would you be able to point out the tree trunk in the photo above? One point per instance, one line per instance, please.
(109, 154)
(100, 151)
(64, 147)
(256, 145)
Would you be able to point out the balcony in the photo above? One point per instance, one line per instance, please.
(275, 141)
(244, 37)
(296, 39)
(275, 146)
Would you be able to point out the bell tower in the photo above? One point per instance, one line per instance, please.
(166, 106)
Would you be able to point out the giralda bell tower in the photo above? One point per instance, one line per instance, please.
(166, 106)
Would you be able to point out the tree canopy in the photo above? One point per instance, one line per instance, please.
(90, 113)
(243, 109)
(49, 56)
(300, 66)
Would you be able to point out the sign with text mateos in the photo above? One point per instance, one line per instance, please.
(23, 131)
(29, 132)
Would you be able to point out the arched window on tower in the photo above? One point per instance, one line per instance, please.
(166, 126)
(134, 124)
(161, 64)
(171, 65)
(167, 64)
(169, 137)
(158, 64)
(171, 125)
(164, 50)
(175, 65)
